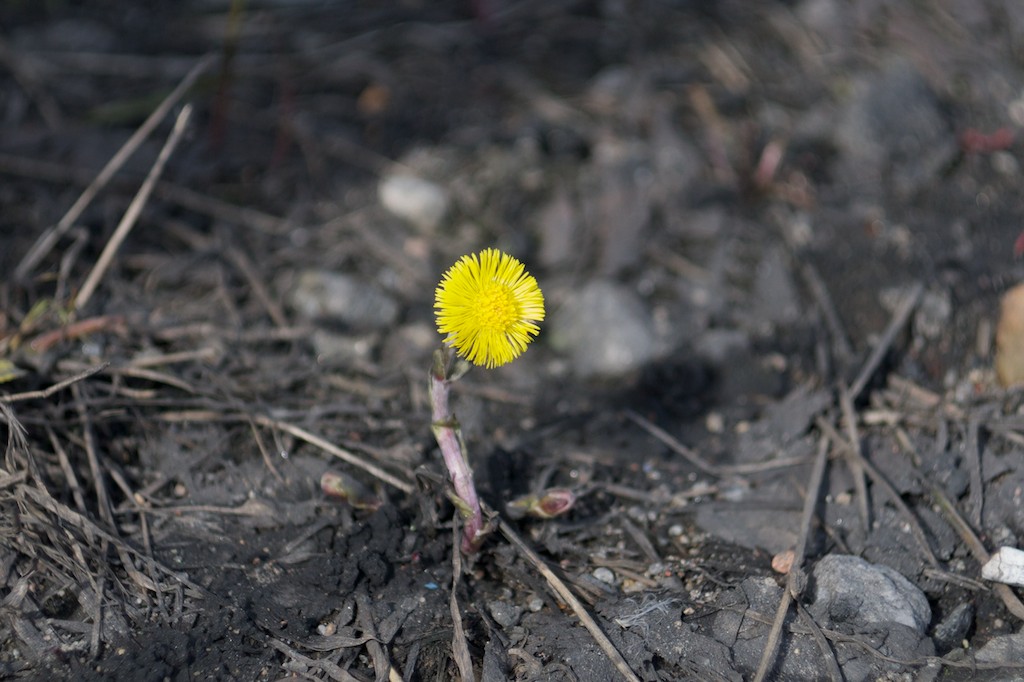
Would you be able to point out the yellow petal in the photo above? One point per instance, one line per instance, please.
(488, 306)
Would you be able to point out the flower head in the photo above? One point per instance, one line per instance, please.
(487, 305)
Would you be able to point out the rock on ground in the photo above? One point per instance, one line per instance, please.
(605, 329)
(420, 202)
(848, 589)
(342, 298)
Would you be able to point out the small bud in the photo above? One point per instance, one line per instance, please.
(344, 487)
(549, 504)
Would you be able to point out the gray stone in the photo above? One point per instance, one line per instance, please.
(890, 543)
(757, 529)
(605, 329)
(653, 625)
(798, 657)
(420, 202)
(894, 130)
(504, 614)
(775, 298)
(787, 420)
(848, 589)
(830, 21)
(409, 345)
(557, 231)
(951, 630)
(1003, 649)
(933, 312)
(1002, 494)
(718, 346)
(341, 298)
(677, 162)
(495, 667)
(342, 350)
(615, 192)
(573, 647)
(1006, 565)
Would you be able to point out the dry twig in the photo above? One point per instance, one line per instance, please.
(381, 660)
(796, 579)
(878, 479)
(1010, 600)
(840, 341)
(259, 289)
(899, 318)
(176, 195)
(31, 81)
(92, 325)
(329, 668)
(17, 440)
(972, 460)
(563, 592)
(711, 469)
(854, 457)
(50, 390)
(134, 209)
(49, 239)
(45, 501)
(301, 434)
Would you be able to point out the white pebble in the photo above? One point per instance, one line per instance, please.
(1005, 566)
(418, 201)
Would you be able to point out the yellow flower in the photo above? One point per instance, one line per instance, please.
(487, 305)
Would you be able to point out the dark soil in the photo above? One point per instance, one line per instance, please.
(796, 219)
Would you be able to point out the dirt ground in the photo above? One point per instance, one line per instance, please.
(772, 238)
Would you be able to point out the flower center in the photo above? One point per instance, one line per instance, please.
(496, 307)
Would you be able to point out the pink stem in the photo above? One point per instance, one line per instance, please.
(446, 431)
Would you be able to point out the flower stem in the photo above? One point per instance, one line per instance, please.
(453, 449)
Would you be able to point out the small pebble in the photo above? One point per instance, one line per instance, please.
(775, 297)
(933, 313)
(415, 200)
(341, 349)
(339, 297)
(782, 562)
(894, 122)
(605, 575)
(1005, 566)
(714, 422)
(504, 614)
(1003, 649)
(605, 329)
(630, 586)
(849, 589)
(1005, 163)
(949, 633)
